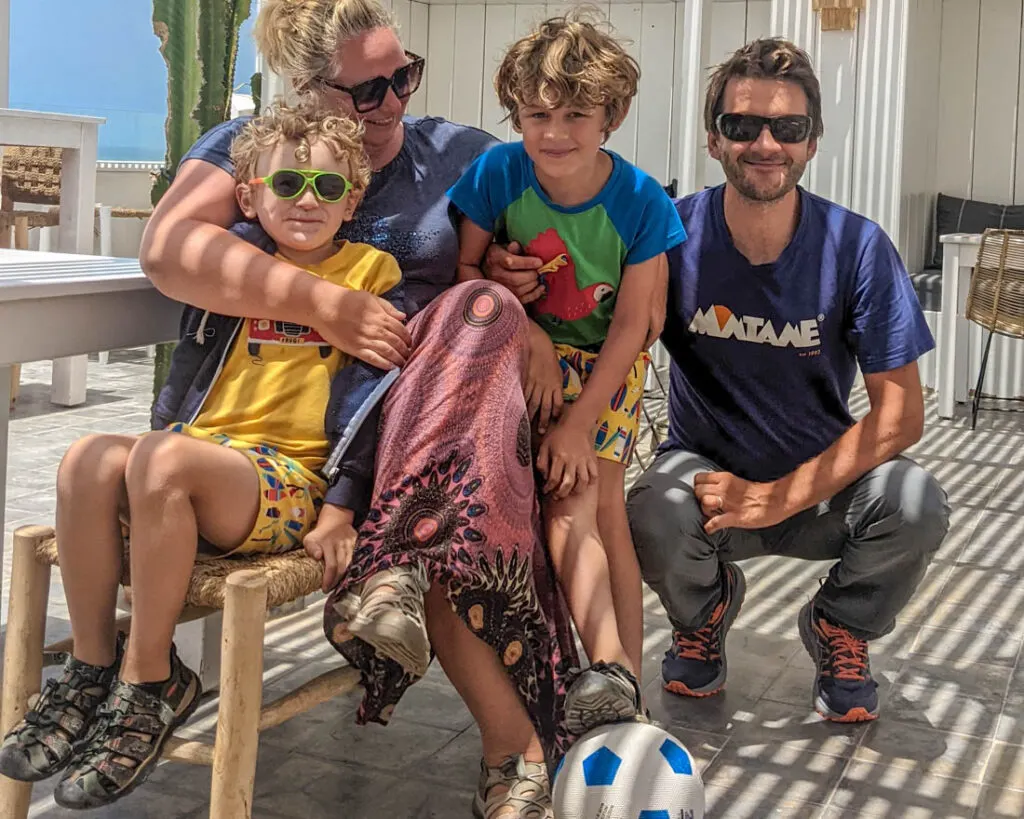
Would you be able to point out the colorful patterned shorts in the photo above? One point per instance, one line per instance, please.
(619, 424)
(290, 495)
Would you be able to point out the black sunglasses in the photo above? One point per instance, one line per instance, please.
(786, 129)
(369, 95)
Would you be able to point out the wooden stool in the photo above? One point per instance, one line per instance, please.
(244, 587)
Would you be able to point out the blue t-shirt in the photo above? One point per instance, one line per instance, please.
(405, 211)
(764, 356)
(584, 247)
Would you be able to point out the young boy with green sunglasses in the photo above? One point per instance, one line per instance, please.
(271, 450)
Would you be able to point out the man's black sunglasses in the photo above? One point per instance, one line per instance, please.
(369, 95)
(786, 129)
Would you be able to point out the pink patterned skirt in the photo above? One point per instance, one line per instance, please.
(455, 490)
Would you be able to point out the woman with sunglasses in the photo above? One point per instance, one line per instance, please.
(454, 495)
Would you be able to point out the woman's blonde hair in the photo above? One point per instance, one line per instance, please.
(568, 61)
(300, 38)
(305, 124)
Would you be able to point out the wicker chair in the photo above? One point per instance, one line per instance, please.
(31, 176)
(244, 588)
(996, 296)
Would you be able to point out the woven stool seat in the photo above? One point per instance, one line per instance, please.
(289, 576)
(32, 174)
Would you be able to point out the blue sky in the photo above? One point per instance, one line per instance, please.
(99, 57)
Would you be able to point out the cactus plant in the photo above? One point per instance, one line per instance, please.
(199, 44)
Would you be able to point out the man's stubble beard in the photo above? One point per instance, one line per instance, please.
(734, 173)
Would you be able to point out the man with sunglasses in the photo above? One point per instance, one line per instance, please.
(774, 301)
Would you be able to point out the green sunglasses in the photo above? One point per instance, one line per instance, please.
(289, 183)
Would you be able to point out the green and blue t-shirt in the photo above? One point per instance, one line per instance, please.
(584, 248)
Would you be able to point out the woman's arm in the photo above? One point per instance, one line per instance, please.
(190, 256)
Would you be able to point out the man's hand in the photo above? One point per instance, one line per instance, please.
(566, 459)
(332, 541)
(508, 267)
(543, 388)
(365, 326)
(733, 503)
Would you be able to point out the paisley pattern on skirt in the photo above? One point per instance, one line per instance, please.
(455, 490)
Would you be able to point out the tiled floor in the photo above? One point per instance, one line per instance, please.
(950, 742)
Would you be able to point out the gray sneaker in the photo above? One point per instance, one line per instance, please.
(603, 693)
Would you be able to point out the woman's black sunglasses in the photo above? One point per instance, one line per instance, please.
(787, 129)
(369, 95)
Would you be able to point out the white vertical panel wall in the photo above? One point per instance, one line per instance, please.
(979, 145)
(921, 133)
(459, 80)
(859, 161)
(981, 88)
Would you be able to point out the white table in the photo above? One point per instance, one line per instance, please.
(58, 304)
(76, 136)
(959, 254)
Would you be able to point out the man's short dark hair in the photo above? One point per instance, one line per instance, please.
(768, 59)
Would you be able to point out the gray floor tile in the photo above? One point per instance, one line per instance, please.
(943, 672)
(1000, 803)
(890, 745)
(888, 791)
(775, 725)
(963, 698)
(753, 803)
(775, 775)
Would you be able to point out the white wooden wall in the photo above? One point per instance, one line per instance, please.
(458, 83)
(921, 133)
(980, 150)
(859, 162)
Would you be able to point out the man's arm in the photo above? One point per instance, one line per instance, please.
(894, 422)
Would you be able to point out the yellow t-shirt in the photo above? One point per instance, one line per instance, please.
(275, 384)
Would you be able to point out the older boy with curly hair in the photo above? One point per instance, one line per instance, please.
(248, 466)
(602, 227)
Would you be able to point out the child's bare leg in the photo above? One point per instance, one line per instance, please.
(582, 569)
(90, 495)
(627, 587)
(178, 487)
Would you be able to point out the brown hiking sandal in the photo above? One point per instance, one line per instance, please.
(127, 735)
(515, 789)
(43, 742)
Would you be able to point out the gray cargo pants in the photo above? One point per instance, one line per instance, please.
(883, 530)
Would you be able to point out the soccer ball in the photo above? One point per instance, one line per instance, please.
(628, 770)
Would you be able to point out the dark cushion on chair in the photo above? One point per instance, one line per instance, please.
(955, 215)
(928, 286)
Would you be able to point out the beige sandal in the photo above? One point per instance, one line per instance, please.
(391, 618)
(527, 794)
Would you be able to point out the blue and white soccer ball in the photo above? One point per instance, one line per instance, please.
(628, 770)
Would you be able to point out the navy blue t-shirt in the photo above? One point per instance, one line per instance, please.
(405, 211)
(764, 356)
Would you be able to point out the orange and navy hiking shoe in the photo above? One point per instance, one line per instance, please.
(695, 666)
(844, 690)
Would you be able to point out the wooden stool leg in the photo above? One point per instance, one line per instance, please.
(23, 655)
(241, 694)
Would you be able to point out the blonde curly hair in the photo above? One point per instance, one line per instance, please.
(568, 60)
(305, 124)
(300, 38)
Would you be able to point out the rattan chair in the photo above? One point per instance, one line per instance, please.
(996, 296)
(245, 588)
(31, 176)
